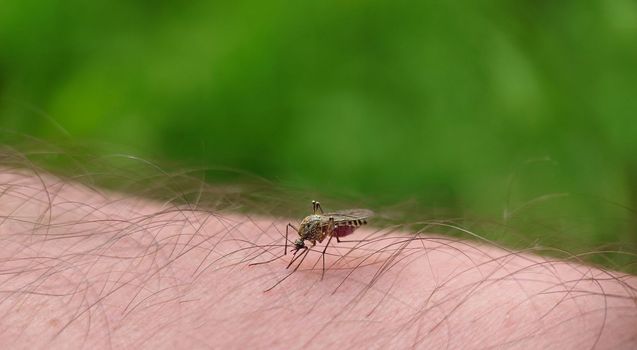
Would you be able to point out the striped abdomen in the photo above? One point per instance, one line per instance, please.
(344, 228)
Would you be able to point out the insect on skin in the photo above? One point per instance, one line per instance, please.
(318, 226)
(314, 228)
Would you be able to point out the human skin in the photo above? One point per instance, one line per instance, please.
(86, 268)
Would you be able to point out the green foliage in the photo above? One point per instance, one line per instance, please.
(485, 107)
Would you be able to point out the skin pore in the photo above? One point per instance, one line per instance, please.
(88, 268)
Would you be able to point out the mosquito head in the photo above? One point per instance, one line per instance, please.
(298, 244)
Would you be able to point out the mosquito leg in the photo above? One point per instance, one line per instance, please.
(323, 255)
(307, 251)
(296, 257)
(285, 250)
(330, 232)
(349, 241)
(304, 254)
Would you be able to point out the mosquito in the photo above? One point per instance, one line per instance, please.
(320, 225)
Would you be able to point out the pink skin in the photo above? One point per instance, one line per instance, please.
(92, 269)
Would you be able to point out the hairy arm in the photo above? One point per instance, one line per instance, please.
(82, 268)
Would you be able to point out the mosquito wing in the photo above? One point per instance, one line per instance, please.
(346, 221)
(351, 214)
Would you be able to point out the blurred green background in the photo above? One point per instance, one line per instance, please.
(508, 111)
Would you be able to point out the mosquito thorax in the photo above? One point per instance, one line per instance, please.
(310, 219)
(309, 225)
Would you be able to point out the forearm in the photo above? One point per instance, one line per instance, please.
(86, 268)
